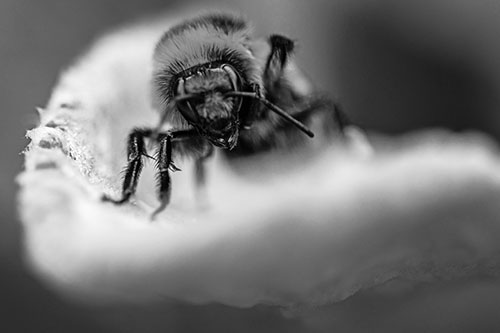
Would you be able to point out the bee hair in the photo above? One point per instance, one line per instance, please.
(212, 38)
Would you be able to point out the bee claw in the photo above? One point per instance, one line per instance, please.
(149, 156)
(173, 168)
(164, 202)
(124, 199)
(152, 218)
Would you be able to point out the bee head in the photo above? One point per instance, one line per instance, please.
(201, 97)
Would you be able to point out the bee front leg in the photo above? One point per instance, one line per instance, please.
(200, 174)
(165, 164)
(136, 150)
(164, 159)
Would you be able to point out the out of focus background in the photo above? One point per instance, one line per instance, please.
(395, 66)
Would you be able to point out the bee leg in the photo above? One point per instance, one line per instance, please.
(340, 117)
(135, 152)
(200, 173)
(335, 118)
(164, 160)
(165, 164)
(281, 48)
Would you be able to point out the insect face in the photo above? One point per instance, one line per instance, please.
(202, 98)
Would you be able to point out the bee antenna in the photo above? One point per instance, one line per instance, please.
(273, 108)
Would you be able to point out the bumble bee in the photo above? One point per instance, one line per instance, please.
(216, 85)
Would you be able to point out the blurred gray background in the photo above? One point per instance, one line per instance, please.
(395, 65)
